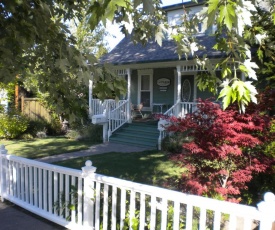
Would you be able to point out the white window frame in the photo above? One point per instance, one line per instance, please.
(150, 73)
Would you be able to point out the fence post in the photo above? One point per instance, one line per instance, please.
(267, 207)
(88, 212)
(2, 172)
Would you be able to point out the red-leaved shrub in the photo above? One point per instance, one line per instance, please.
(226, 150)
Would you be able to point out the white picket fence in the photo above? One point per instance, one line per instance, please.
(82, 199)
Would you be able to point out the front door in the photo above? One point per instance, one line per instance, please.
(187, 88)
(145, 89)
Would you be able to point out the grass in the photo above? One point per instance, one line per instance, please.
(148, 167)
(49, 146)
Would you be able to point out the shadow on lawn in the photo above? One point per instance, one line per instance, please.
(49, 146)
(148, 167)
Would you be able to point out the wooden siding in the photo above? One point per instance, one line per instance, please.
(33, 108)
(166, 97)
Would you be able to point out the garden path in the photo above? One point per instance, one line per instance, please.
(93, 150)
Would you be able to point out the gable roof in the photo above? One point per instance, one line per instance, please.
(185, 4)
(126, 52)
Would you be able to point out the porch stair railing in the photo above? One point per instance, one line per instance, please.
(102, 202)
(118, 116)
(100, 107)
(180, 109)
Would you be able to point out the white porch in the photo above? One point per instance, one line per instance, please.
(114, 114)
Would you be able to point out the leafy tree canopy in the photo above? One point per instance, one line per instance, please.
(38, 49)
(35, 41)
(241, 25)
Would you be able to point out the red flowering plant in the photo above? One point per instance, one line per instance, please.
(226, 150)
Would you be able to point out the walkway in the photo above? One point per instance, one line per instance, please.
(94, 150)
(13, 217)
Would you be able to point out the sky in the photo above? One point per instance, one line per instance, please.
(115, 35)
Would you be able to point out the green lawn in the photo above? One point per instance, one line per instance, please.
(148, 167)
(49, 146)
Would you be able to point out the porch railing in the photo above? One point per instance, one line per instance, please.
(180, 109)
(99, 107)
(118, 117)
(85, 200)
(117, 113)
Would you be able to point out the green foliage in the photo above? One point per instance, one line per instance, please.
(50, 146)
(270, 147)
(35, 126)
(173, 143)
(85, 132)
(26, 136)
(49, 128)
(62, 204)
(38, 48)
(12, 125)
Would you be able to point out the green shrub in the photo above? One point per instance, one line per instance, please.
(54, 128)
(12, 125)
(90, 131)
(173, 143)
(26, 136)
(73, 134)
(36, 126)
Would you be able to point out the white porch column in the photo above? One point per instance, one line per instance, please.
(179, 84)
(90, 97)
(129, 117)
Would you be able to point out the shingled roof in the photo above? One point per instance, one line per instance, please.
(126, 52)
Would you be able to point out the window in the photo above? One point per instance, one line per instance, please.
(145, 89)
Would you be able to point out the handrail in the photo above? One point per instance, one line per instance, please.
(118, 116)
(180, 109)
(98, 106)
(169, 111)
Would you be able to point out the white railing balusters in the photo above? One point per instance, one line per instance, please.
(122, 207)
(163, 214)
(232, 222)
(27, 191)
(50, 192)
(118, 116)
(217, 220)
(114, 206)
(79, 201)
(132, 207)
(105, 207)
(97, 206)
(35, 186)
(176, 216)
(60, 193)
(45, 190)
(17, 180)
(189, 217)
(142, 211)
(22, 191)
(202, 218)
(153, 212)
(31, 185)
(67, 195)
(106, 202)
(55, 192)
(40, 188)
(73, 191)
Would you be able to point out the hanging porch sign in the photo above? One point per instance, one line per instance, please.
(163, 84)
